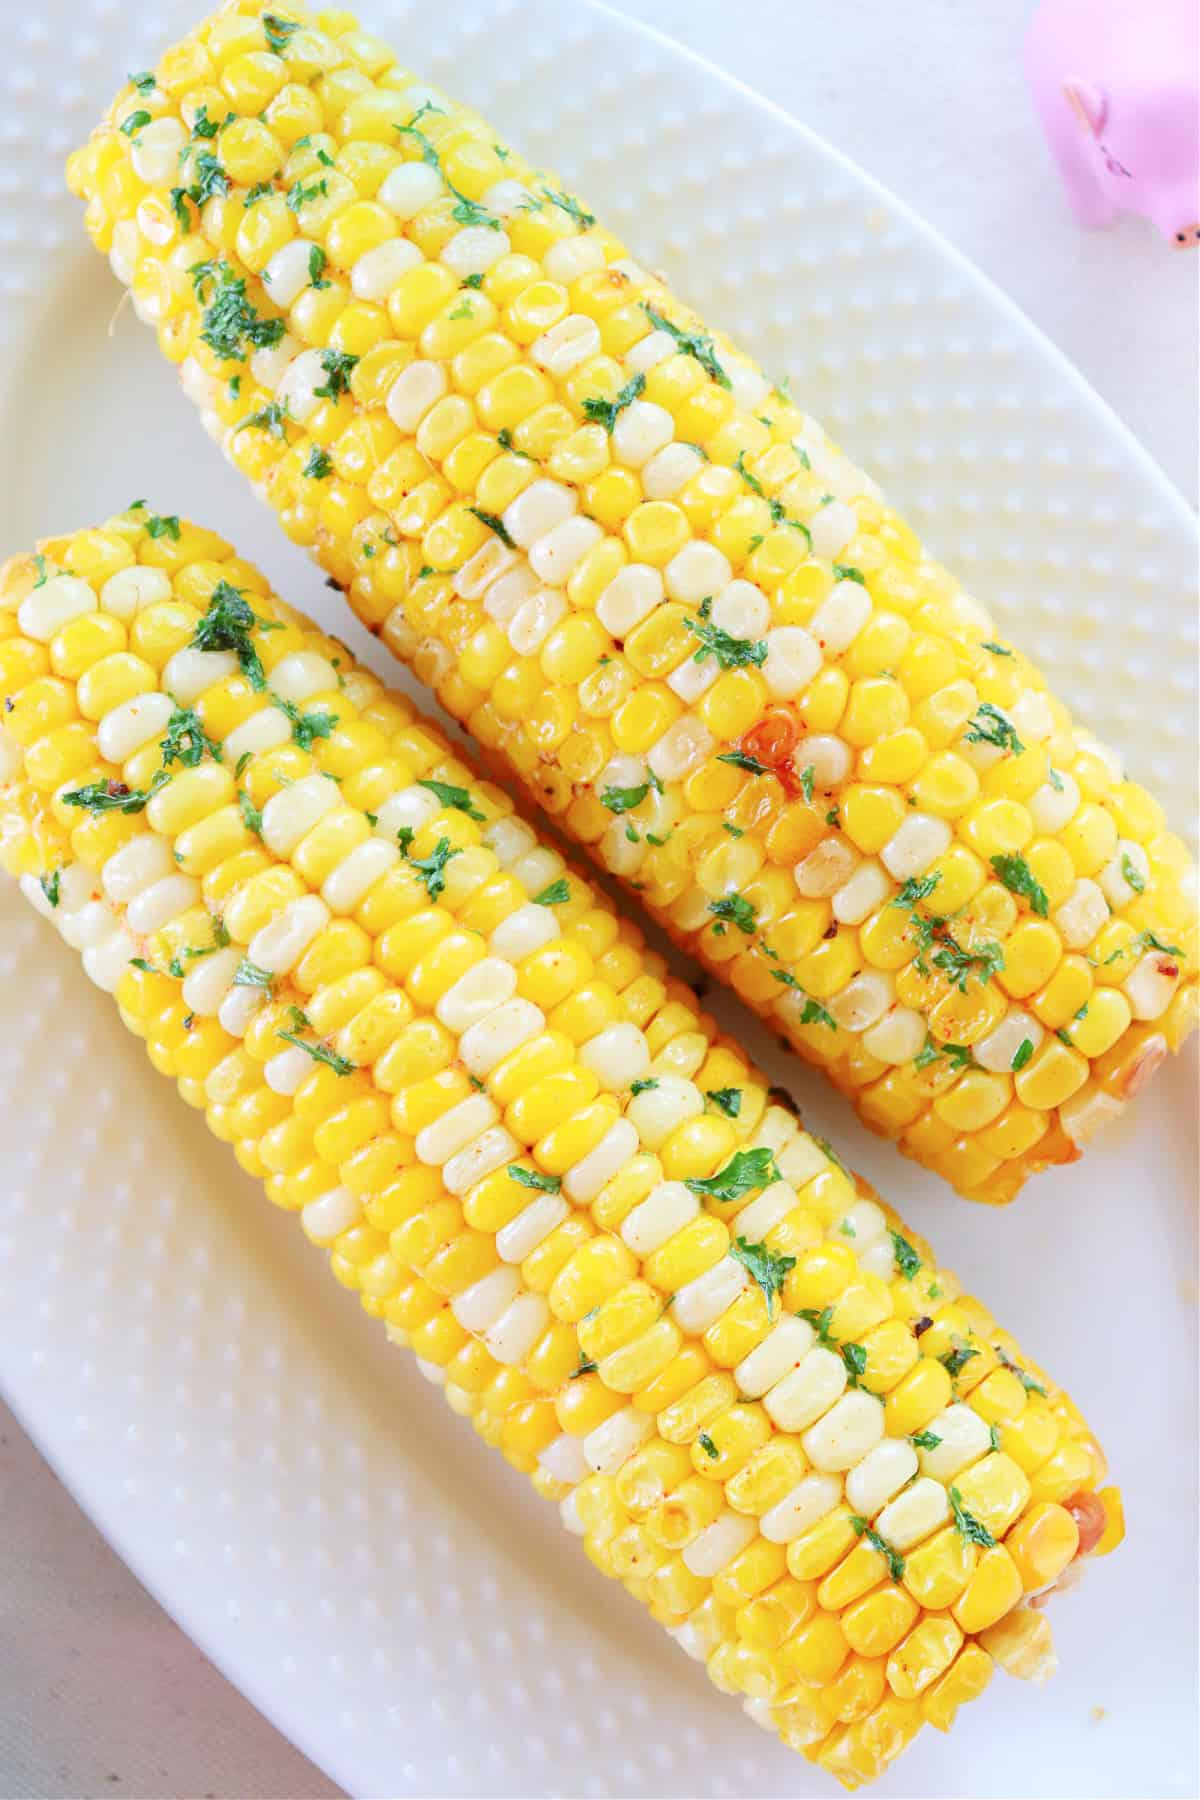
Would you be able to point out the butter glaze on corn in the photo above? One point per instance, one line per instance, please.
(546, 575)
(382, 1054)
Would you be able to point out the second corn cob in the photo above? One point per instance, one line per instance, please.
(755, 1395)
(654, 588)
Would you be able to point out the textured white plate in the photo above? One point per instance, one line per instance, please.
(383, 1587)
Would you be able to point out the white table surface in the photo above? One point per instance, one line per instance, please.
(100, 1694)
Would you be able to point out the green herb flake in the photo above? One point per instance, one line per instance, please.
(272, 418)
(338, 366)
(737, 910)
(49, 884)
(690, 343)
(187, 742)
(493, 524)
(623, 800)
(115, 796)
(227, 624)
(1027, 1381)
(907, 1260)
(996, 649)
(956, 1359)
(847, 572)
(568, 204)
(989, 726)
(432, 868)
(144, 82)
(739, 760)
(643, 1086)
(278, 31)
(855, 1358)
(925, 1440)
(533, 1178)
(341, 1065)
(820, 1322)
(317, 464)
(729, 1100)
(1019, 879)
(248, 974)
(1132, 873)
(585, 1367)
(807, 777)
(230, 322)
(557, 894)
(457, 798)
(1021, 1055)
(707, 1445)
(134, 122)
(765, 1267)
(251, 815)
(893, 1558)
(607, 412)
(729, 652)
(967, 1526)
(744, 1173)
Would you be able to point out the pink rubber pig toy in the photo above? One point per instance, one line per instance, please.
(1117, 89)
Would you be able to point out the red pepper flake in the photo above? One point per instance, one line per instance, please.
(831, 930)
(772, 742)
(117, 789)
(1168, 969)
(921, 1325)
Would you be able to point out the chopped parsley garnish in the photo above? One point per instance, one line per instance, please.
(996, 649)
(965, 1523)
(260, 191)
(707, 1445)
(432, 868)
(735, 831)
(820, 1321)
(533, 1178)
(557, 894)
(778, 511)
(159, 525)
(134, 122)
(43, 574)
(925, 1440)
(855, 1358)
(729, 1100)
(751, 481)
(248, 974)
(585, 1367)
(690, 343)
(746, 1171)
(729, 652)
(493, 524)
(504, 439)
(643, 1086)
(456, 797)
(907, 1260)
(814, 1013)
(1145, 940)
(847, 572)
(464, 310)
(230, 322)
(989, 726)
(623, 800)
(568, 204)
(278, 31)
(738, 910)
(1027, 1382)
(317, 464)
(956, 1359)
(606, 412)
(1055, 780)
(1022, 1054)
(916, 889)
(186, 741)
(115, 796)
(299, 195)
(316, 267)
(251, 815)
(994, 1436)
(341, 1065)
(227, 625)
(49, 883)
(766, 1267)
(740, 760)
(306, 727)
(807, 778)
(1019, 878)
(893, 1558)
(1132, 873)
(957, 1055)
(338, 366)
(271, 418)
(472, 281)
(144, 82)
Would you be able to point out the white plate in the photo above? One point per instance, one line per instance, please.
(378, 1583)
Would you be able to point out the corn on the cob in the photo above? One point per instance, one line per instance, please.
(754, 1394)
(653, 588)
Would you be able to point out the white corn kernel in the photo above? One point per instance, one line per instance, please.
(883, 1471)
(524, 931)
(563, 1460)
(584, 1179)
(537, 510)
(897, 1037)
(863, 1001)
(997, 1052)
(610, 1445)
(377, 271)
(303, 675)
(810, 1390)
(289, 272)
(649, 351)
(724, 1539)
(155, 151)
(288, 1070)
(832, 527)
(238, 1009)
(410, 807)
(474, 249)
(208, 981)
(841, 615)
(658, 1111)
(509, 839)
(131, 590)
(409, 188)
(669, 470)
(811, 1500)
(290, 814)
(617, 1056)
(554, 555)
(1055, 803)
(444, 1137)
(1082, 1116)
(478, 992)
(655, 1220)
(485, 1044)
(279, 945)
(490, 1151)
(852, 1427)
(486, 1300)
(696, 572)
(264, 730)
(507, 196)
(693, 678)
(800, 1158)
(156, 906)
(517, 1330)
(630, 597)
(1130, 859)
(131, 724)
(1151, 987)
(640, 431)
(1081, 915)
(572, 341)
(485, 566)
(742, 610)
(54, 603)
(190, 672)
(914, 1514)
(535, 619)
(782, 1350)
(346, 886)
(1032, 717)
(826, 868)
(699, 1303)
(793, 659)
(964, 1438)
(105, 963)
(749, 385)
(413, 392)
(682, 747)
(572, 257)
(522, 1235)
(830, 759)
(867, 888)
(770, 1209)
(915, 845)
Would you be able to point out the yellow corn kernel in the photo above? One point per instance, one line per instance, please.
(994, 1588)
(964, 1680)
(874, 1625)
(937, 1571)
(926, 1653)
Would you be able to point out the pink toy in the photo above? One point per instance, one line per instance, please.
(1116, 87)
